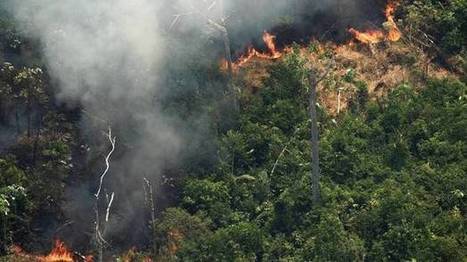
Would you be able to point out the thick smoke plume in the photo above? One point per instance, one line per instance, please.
(105, 57)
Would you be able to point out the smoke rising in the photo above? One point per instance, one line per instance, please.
(105, 57)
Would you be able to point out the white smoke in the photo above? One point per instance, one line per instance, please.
(92, 45)
(105, 56)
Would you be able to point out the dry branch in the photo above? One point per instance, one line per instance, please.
(99, 233)
(283, 152)
(107, 162)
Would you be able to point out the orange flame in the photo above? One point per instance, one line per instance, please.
(272, 53)
(59, 253)
(392, 32)
(369, 37)
(132, 255)
(269, 40)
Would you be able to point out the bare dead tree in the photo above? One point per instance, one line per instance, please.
(314, 80)
(225, 37)
(149, 197)
(423, 45)
(339, 90)
(220, 25)
(100, 224)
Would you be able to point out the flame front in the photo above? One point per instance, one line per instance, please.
(394, 34)
(369, 37)
(269, 40)
(391, 32)
(59, 253)
(272, 52)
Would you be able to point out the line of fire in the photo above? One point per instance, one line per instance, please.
(389, 32)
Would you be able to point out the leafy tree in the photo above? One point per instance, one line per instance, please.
(393, 185)
(14, 203)
(237, 242)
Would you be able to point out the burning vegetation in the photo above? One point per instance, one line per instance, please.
(390, 32)
(59, 253)
(62, 253)
(271, 53)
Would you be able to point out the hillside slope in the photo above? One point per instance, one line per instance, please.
(393, 164)
(380, 68)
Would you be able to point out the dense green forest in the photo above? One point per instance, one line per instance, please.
(393, 162)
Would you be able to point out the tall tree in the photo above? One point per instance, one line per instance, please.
(314, 80)
(203, 10)
(101, 222)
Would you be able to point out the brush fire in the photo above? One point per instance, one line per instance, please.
(62, 253)
(59, 253)
(271, 54)
(390, 32)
